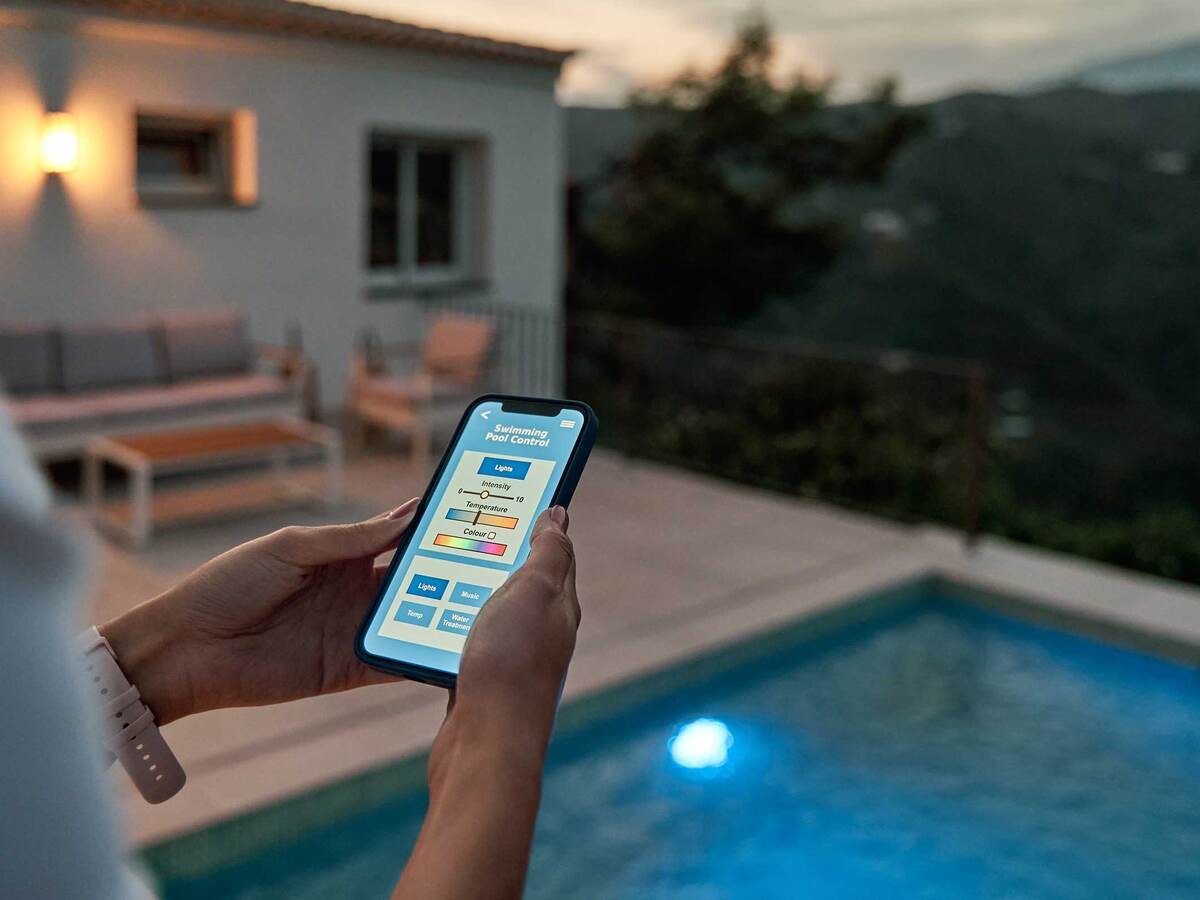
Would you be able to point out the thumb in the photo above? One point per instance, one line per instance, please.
(306, 546)
(550, 550)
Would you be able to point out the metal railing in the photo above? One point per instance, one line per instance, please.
(527, 358)
(890, 432)
(898, 434)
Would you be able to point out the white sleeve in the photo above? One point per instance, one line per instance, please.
(58, 832)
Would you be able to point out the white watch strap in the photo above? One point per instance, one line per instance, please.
(129, 732)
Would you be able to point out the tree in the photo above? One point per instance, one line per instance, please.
(717, 208)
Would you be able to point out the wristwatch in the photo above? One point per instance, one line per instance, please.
(128, 728)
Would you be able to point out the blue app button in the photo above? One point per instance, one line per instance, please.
(426, 586)
(415, 613)
(470, 594)
(456, 622)
(503, 468)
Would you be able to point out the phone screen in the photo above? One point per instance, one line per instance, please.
(474, 532)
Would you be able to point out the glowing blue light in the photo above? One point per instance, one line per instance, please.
(702, 744)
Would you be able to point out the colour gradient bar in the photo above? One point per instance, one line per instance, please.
(458, 543)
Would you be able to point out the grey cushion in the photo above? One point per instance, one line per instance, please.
(29, 358)
(203, 344)
(98, 356)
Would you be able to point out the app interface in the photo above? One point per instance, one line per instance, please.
(474, 533)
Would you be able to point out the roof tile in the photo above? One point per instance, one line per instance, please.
(312, 21)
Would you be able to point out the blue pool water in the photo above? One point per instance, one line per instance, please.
(938, 751)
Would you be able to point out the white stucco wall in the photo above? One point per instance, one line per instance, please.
(77, 247)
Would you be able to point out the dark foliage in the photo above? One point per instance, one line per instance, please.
(713, 212)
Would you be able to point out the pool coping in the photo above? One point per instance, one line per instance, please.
(1139, 612)
(1032, 585)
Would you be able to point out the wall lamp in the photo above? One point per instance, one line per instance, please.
(60, 142)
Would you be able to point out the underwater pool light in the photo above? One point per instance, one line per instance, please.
(701, 744)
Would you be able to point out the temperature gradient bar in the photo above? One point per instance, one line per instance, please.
(497, 521)
(482, 518)
(458, 543)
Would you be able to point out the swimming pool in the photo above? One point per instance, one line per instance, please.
(930, 749)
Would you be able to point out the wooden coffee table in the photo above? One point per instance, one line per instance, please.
(278, 442)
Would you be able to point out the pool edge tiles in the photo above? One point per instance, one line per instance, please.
(1077, 621)
(246, 834)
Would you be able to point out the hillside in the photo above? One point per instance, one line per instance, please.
(1062, 223)
(1047, 220)
(1054, 237)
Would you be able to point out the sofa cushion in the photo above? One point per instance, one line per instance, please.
(110, 407)
(29, 358)
(200, 344)
(109, 355)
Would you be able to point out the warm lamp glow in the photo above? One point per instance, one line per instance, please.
(60, 143)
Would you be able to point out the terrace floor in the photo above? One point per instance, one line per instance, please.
(669, 564)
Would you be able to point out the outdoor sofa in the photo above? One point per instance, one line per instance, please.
(65, 384)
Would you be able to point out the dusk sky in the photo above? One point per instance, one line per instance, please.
(935, 46)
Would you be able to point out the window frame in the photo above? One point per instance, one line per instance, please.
(468, 154)
(232, 155)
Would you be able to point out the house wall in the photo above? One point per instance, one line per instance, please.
(77, 247)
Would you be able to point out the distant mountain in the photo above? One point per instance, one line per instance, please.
(1052, 236)
(1063, 224)
(1173, 67)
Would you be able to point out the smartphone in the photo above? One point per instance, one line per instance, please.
(510, 459)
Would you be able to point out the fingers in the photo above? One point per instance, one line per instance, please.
(304, 546)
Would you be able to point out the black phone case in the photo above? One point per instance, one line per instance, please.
(562, 497)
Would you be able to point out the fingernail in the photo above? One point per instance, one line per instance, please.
(404, 508)
(558, 515)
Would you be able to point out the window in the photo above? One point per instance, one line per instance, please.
(196, 160)
(384, 228)
(435, 207)
(420, 209)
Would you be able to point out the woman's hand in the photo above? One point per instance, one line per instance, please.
(269, 621)
(275, 619)
(485, 767)
(517, 653)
